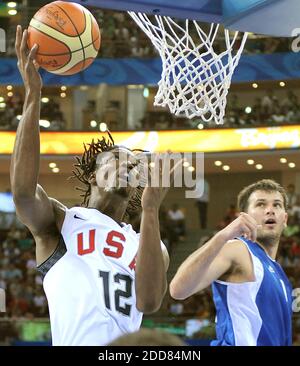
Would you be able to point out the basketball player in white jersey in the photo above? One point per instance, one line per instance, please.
(99, 275)
(252, 294)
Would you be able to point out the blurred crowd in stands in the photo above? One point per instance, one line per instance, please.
(18, 276)
(50, 112)
(267, 110)
(121, 37)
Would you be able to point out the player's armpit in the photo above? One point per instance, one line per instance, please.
(40, 212)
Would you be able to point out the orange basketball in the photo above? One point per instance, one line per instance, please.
(68, 37)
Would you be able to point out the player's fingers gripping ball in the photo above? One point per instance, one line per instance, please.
(68, 37)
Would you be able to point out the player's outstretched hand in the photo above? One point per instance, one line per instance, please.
(161, 179)
(26, 62)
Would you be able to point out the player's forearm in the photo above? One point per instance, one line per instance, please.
(26, 154)
(150, 269)
(193, 271)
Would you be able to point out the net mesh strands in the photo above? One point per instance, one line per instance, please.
(195, 77)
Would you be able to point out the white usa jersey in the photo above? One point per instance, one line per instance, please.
(90, 280)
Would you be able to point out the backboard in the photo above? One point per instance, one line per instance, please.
(204, 10)
(271, 17)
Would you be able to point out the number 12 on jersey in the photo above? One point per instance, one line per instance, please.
(124, 292)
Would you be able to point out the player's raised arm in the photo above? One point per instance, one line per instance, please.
(213, 259)
(26, 155)
(34, 208)
(152, 261)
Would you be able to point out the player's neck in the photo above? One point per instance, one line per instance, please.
(270, 248)
(110, 206)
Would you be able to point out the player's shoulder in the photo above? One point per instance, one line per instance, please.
(234, 243)
(85, 212)
(236, 249)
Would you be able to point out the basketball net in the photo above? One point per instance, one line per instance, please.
(195, 80)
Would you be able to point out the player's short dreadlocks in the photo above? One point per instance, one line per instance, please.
(87, 165)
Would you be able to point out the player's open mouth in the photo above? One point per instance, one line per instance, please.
(270, 222)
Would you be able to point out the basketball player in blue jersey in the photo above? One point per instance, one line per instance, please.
(100, 276)
(251, 292)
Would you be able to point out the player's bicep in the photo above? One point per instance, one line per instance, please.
(220, 266)
(36, 213)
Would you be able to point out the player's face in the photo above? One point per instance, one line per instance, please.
(267, 208)
(114, 168)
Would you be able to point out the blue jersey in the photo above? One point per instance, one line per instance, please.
(255, 313)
